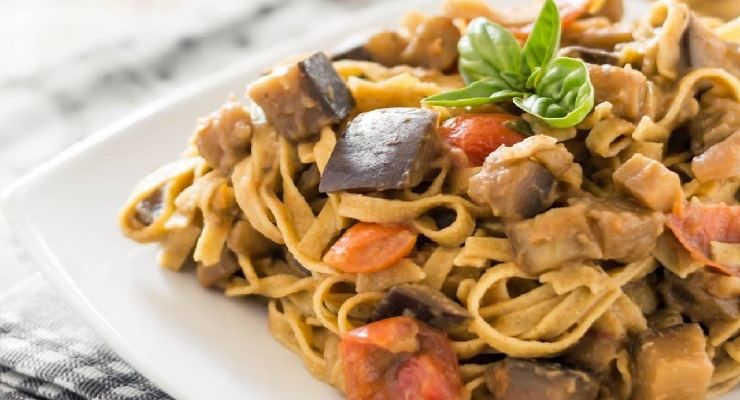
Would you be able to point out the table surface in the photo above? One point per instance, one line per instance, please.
(78, 65)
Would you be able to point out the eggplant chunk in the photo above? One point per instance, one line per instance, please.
(515, 190)
(590, 55)
(553, 238)
(702, 48)
(672, 363)
(300, 99)
(149, 209)
(516, 379)
(295, 267)
(626, 89)
(383, 149)
(692, 298)
(586, 230)
(595, 352)
(223, 138)
(384, 47)
(434, 44)
(212, 274)
(424, 304)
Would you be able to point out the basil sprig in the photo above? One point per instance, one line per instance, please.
(496, 68)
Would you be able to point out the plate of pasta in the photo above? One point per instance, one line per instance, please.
(474, 202)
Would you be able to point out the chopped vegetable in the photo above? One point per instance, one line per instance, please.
(424, 303)
(399, 358)
(517, 379)
(626, 89)
(697, 225)
(650, 182)
(210, 275)
(672, 363)
(570, 11)
(586, 230)
(390, 148)
(496, 68)
(691, 297)
(368, 247)
(480, 134)
(516, 190)
(591, 56)
(300, 99)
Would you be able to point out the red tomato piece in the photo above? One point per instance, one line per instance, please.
(699, 224)
(399, 358)
(369, 247)
(570, 11)
(480, 134)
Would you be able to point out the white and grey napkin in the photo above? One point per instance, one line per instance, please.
(47, 352)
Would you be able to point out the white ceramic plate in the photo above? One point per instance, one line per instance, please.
(195, 344)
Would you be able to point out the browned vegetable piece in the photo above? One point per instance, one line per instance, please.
(302, 98)
(643, 294)
(595, 352)
(515, 190)
(223, 137)
(691, 297)
(213, 274)
(590, 55)
(717, 120)
(295, 267)
(702, 48)
(423, 303)
(308, 182)
(587, 229)
(517, 379)
(433, 45)
(553, 238)
(150, 208)
(650, 182)
(383, 149)
(383, 47)
(626, 233)
(244, 239)
(626, 89)
(672, 363)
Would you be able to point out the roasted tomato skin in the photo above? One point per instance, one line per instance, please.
(369, 247)
(478, 135)
(697, 225)
(399, 358)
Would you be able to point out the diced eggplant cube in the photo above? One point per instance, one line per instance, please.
(383, 149)
(691, 297)
(300, 99)
(517, 379)
(352, 48)
(383, 47)
(672, 363)
(210, 275)
(423, 303)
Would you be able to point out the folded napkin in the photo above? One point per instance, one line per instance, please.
(47, 352)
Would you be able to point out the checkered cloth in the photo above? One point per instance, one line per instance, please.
(47, 352)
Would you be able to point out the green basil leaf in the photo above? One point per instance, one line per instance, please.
(544, 40)
(534, 78)
(564, 95)
(487, 50)
(482, 92)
